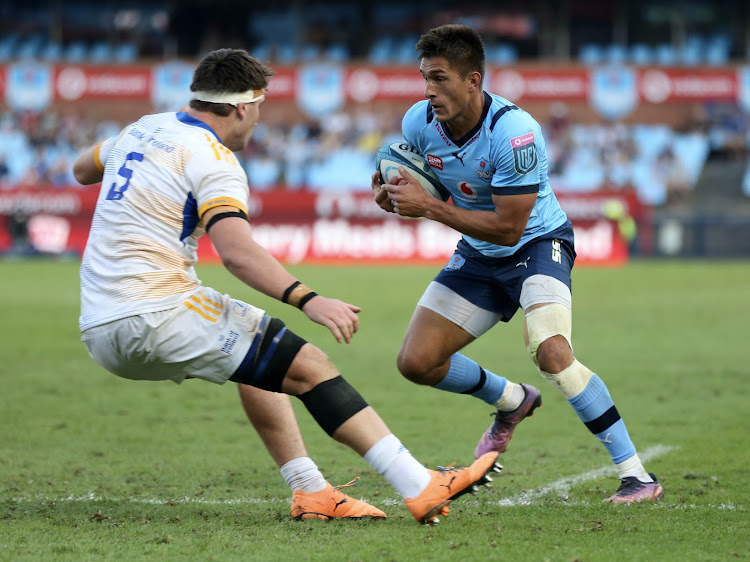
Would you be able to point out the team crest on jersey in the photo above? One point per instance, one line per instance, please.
(482, 168)
(525, 157)
(456, 261)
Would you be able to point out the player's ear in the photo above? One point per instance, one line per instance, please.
(475, 78)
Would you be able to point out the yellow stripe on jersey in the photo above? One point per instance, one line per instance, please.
(156, 205)
(151, 285)
(175, 161)
(97, 159)
(200, 301)
(220, 202)
(158, 256)
(221, 152)
(211, 302)
(199, 311)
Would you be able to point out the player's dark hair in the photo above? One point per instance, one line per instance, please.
(460, 45)
(227, 70)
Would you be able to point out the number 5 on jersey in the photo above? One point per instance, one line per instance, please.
(116, 193)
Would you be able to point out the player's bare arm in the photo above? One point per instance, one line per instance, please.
(503, 226)
(85, 168)
(255, 266)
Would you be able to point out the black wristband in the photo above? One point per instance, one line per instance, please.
(289, 289)
(307, 297)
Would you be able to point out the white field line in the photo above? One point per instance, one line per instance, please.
(561, 487)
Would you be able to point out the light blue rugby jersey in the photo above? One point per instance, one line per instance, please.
(504, 154)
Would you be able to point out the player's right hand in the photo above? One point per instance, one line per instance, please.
(339, 317)
(380, 194)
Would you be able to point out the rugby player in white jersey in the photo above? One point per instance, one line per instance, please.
(516, 251)
(166, 180)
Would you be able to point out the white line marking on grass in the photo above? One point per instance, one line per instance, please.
(562, 486)
(91, 497)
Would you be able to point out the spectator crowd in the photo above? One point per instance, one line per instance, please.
(660, 163)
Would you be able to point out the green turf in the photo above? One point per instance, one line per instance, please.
(95, 467)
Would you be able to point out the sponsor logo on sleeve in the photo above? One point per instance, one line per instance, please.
(525, 157)
(435, 161)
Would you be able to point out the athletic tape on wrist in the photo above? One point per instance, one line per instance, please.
(307, 297)
(288, 291)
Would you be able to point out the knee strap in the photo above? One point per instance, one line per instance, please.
(332, 403)
(545, 322)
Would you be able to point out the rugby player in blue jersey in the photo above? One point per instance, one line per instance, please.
(517, 250)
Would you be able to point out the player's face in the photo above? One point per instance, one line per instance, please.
(246, 126)
(449, 95)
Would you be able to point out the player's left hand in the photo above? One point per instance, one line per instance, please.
(338, 316)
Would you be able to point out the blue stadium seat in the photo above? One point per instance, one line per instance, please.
(309, 52)
(125, 53)
(286, 53)
(690, 55)
(338, 52)
(30, 48)
(100, 52)
(615, 54)
(641, 55)
(75, 52)
(381, 51)
(52, 52)
(8, 46)
(591, 54)
(665, 55)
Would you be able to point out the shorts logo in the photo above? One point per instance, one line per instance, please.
(525, 157)
(229, 342)
(435, 161)
(455, 262)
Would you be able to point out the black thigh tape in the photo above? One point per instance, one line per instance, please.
(332, 403)
(266, 367)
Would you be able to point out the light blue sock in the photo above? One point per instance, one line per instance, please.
(597, 411)
(467, 377)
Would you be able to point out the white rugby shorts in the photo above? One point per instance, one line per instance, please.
(206, 337)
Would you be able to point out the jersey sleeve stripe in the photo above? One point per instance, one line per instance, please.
(221, 202)
(515, 189)
(500, 113)
(97, 158)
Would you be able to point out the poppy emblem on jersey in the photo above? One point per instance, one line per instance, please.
(525, 157)
(466, 190)
(456, 261)
(482, 168)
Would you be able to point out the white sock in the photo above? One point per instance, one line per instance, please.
(303, 474)
(633, 467)
(511, 398)
(389, 458)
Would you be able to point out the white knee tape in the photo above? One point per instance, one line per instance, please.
(572, 380)
(545, 322)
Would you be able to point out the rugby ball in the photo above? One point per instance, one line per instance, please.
(389, 158)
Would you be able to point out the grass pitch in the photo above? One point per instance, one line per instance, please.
(92, 466)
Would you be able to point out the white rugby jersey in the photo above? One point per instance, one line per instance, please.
(160, 175)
